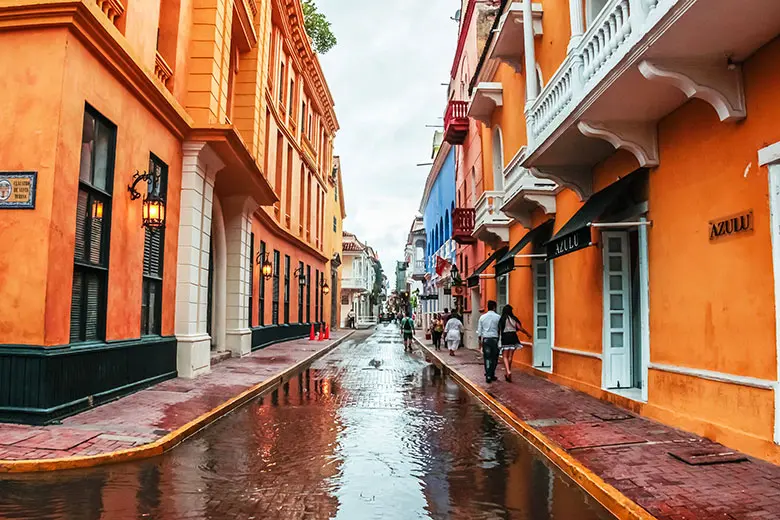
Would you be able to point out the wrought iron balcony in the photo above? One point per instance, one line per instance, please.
(456, 122)
(463, 225)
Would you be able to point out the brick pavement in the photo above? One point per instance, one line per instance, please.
(632, 453)
(150, 414)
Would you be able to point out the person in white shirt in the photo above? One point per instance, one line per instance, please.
(452, 333)
(487, 331)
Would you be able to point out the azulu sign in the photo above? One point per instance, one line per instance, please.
(568, 243)
(730, 226)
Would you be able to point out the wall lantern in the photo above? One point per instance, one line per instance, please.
(325, 287)
(267, 267)
(299, 274)
(97, 210)
(153, 210)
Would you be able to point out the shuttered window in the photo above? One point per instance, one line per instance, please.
(286, 288)
(154, 245)
(317, 295)
(251, 278)
(308, 294)
(93, 224)
(300, 295)
(275, 301)
(261, 309)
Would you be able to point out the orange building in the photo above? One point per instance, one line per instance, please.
(135, 172)
(632, 178)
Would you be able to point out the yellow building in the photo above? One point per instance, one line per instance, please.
(335, 213)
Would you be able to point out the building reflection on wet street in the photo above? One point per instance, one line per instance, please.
(366, 432)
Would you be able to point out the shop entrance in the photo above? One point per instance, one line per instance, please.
(542, 314)
(622, 310)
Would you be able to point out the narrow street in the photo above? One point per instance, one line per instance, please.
(367, 432)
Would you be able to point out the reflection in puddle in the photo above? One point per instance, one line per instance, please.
(338, 441)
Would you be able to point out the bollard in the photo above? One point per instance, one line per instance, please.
(311, 333)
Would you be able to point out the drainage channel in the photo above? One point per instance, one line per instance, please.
(366, 432)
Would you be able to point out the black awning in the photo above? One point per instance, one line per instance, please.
(575, 234)
(538, 235)
(473, 280)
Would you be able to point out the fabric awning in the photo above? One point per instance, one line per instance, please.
(538, 235)
(473, 280)
(575, 234)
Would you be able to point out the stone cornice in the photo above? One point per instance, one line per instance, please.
(90, 25)
(296, 34)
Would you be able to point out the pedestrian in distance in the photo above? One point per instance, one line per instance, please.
(437, 330)
(487, 332)
(351, 319)
(509, 326)
(452, 333)
(407, 329)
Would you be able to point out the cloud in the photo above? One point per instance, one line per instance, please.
(386, 76)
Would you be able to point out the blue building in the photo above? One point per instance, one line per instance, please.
(437, 205)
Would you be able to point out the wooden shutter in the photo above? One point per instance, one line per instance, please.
(76, 310)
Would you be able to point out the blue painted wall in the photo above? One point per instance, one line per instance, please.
(437, 211)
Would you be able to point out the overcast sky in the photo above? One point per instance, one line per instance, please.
(386, 76)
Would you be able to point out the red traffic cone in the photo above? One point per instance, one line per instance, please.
(321, 335)
(311, 333)
(327, 331)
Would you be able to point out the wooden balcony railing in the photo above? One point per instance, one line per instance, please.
(463, 225)
(456, 122)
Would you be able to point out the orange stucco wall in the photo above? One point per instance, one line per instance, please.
(58, 85)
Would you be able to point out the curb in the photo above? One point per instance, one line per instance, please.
(609, 497)
(172, 439)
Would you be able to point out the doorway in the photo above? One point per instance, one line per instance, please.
(543, 323)
(623, 357)
(502, 295)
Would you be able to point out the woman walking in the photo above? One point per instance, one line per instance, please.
(509, 326)
(437, 329)
(452, 333)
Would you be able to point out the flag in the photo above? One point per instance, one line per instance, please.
(442, 267)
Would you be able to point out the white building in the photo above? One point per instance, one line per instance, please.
(358, 277)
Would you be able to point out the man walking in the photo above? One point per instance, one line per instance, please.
(487, 331)
(407, 329)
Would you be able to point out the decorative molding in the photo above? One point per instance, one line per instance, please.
(113, 9)
(639, 138)
(487, 97)
(577, 178)
(545, 201)
(583, 353)
(722, 377)
(717, 83)
(162, 70)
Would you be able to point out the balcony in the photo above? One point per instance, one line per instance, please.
(637, 62)
(525, 193)
(456, 122)
(487, 97)
(359, 283)
(463, 225)
(491, 225)
(418, 270)
(509, 45)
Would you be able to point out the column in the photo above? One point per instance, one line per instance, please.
(577, 23)
(238, 212)
(199, 168)
(531, 90)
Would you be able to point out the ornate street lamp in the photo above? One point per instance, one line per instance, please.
(153, 209)
(267, 267)
(325, 287)
(300, 275)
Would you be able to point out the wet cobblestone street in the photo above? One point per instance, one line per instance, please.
(367, 432)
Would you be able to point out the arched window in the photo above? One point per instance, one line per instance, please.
(441, 231)
(593, 8)
(498, 160)
(447, 228)
(473, 184)
(539, 79)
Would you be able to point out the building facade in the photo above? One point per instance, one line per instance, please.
(360, 287)
(159, 164)
(629, 214)
(335, 213)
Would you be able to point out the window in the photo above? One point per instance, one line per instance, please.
(335, 224)
(317, 295)
(594, 8)
(261, 307)
(251, 278)
(154, 245)
(275, 301)
(288, 187)
(308, 294)
(498, 160)
(292, 98)
(286, 288)
(302, 199)
(93, 225)
(279, 164)
(281, 84)
(300, 295)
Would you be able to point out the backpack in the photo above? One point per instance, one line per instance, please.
(407, 325)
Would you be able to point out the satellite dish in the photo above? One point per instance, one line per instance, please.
(457, 16)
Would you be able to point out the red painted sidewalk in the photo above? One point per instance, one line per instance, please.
(632, 453)
(148, 415)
